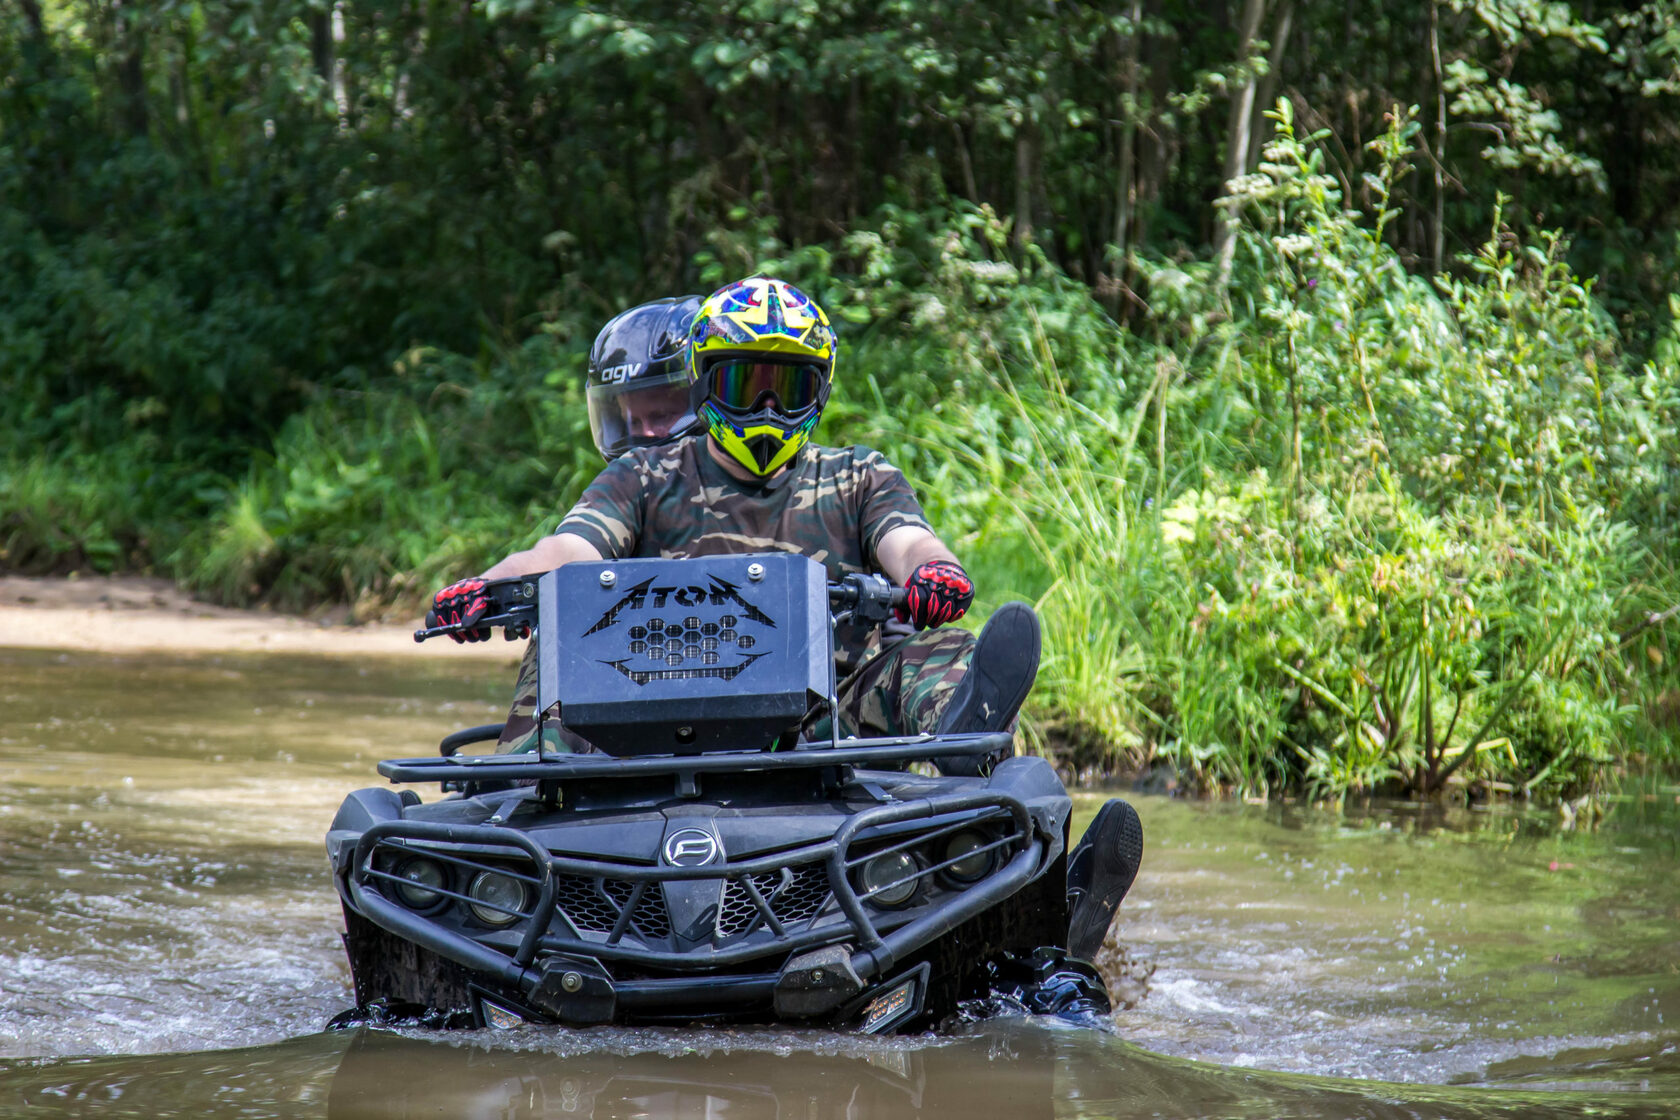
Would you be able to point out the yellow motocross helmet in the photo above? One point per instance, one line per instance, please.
(760, 368)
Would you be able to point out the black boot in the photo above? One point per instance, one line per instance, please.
(1100, 872)
(1001, 671)
(1048, 982)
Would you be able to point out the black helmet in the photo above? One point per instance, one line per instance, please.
(638, 377)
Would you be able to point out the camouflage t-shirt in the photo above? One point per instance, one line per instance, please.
(833, 504)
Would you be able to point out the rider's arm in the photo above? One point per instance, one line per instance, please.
(546, 555)
(607, 519)
(904, 549)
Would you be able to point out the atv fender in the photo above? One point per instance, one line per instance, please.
(1034, 781)
(361, 811)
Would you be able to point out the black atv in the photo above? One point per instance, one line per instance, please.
(706, 860)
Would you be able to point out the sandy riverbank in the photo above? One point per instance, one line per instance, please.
(130, 614)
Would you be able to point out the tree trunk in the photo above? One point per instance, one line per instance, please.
(1268, 84)
(340, 72)
(1236, 140)
(859, 190)
(32, 16)
(1438, 234)
(1025, 154)
(131, 68)
(1157, 150)
(1125, 188)
(970, 188)
(321, 43)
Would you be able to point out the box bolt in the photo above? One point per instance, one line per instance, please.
(572, 981)
(755, 571)
(608, 578)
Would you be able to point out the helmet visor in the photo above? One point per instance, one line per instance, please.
(741, 383)
(637, 415)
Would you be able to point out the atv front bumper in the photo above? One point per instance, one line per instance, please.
(793, 935)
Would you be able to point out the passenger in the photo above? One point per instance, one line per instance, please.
(637, 387)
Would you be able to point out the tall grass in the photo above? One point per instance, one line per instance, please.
(1265, 634)
(57, 515)
(1367, 534)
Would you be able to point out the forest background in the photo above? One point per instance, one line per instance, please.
(1314, 366)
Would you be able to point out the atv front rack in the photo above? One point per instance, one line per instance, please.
(804, 969)
(562, 767)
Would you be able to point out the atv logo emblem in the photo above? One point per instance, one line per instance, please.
(720, 593)
(680, 633)
(690, 847)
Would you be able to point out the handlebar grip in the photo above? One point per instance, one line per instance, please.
(520, 618)
(866, 598)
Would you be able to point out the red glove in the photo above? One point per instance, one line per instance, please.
(936, 593)
(461, 604)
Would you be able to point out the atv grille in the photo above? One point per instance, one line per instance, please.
(801, 899)
(584, 904)
(650, 918)
(595, 905)
(738, 914)
(795, 895)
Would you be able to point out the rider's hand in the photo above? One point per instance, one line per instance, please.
(461, 604)
(936, 593)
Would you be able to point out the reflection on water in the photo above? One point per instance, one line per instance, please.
(163, 888)
(1006, 1068)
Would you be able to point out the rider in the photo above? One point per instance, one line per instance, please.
(759, 369)
(741, 475)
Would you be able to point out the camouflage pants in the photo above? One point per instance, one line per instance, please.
(519, 733)
(904, 684)
(902, 688)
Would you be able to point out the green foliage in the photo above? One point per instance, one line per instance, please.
(64, 514)
(293, 298)
(1509, 386)
(1369, 533)
(380, 496)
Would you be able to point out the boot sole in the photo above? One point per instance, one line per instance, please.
(987, 699)
(1116, 851)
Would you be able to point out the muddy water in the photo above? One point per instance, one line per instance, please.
(162, 882)
(1414, 944)
(168, 943)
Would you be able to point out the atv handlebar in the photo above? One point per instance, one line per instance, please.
(859, 597)
(864, 598)
(513, 607)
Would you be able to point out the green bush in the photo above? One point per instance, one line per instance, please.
(1351, 531)
(377, 497)
(63, 515)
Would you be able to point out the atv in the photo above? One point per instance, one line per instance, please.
(710, 858)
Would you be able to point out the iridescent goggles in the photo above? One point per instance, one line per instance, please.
(739, 384)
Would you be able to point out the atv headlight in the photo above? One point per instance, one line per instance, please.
(493, 896)
(968, 862)
(891, 878)
(421, 880)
